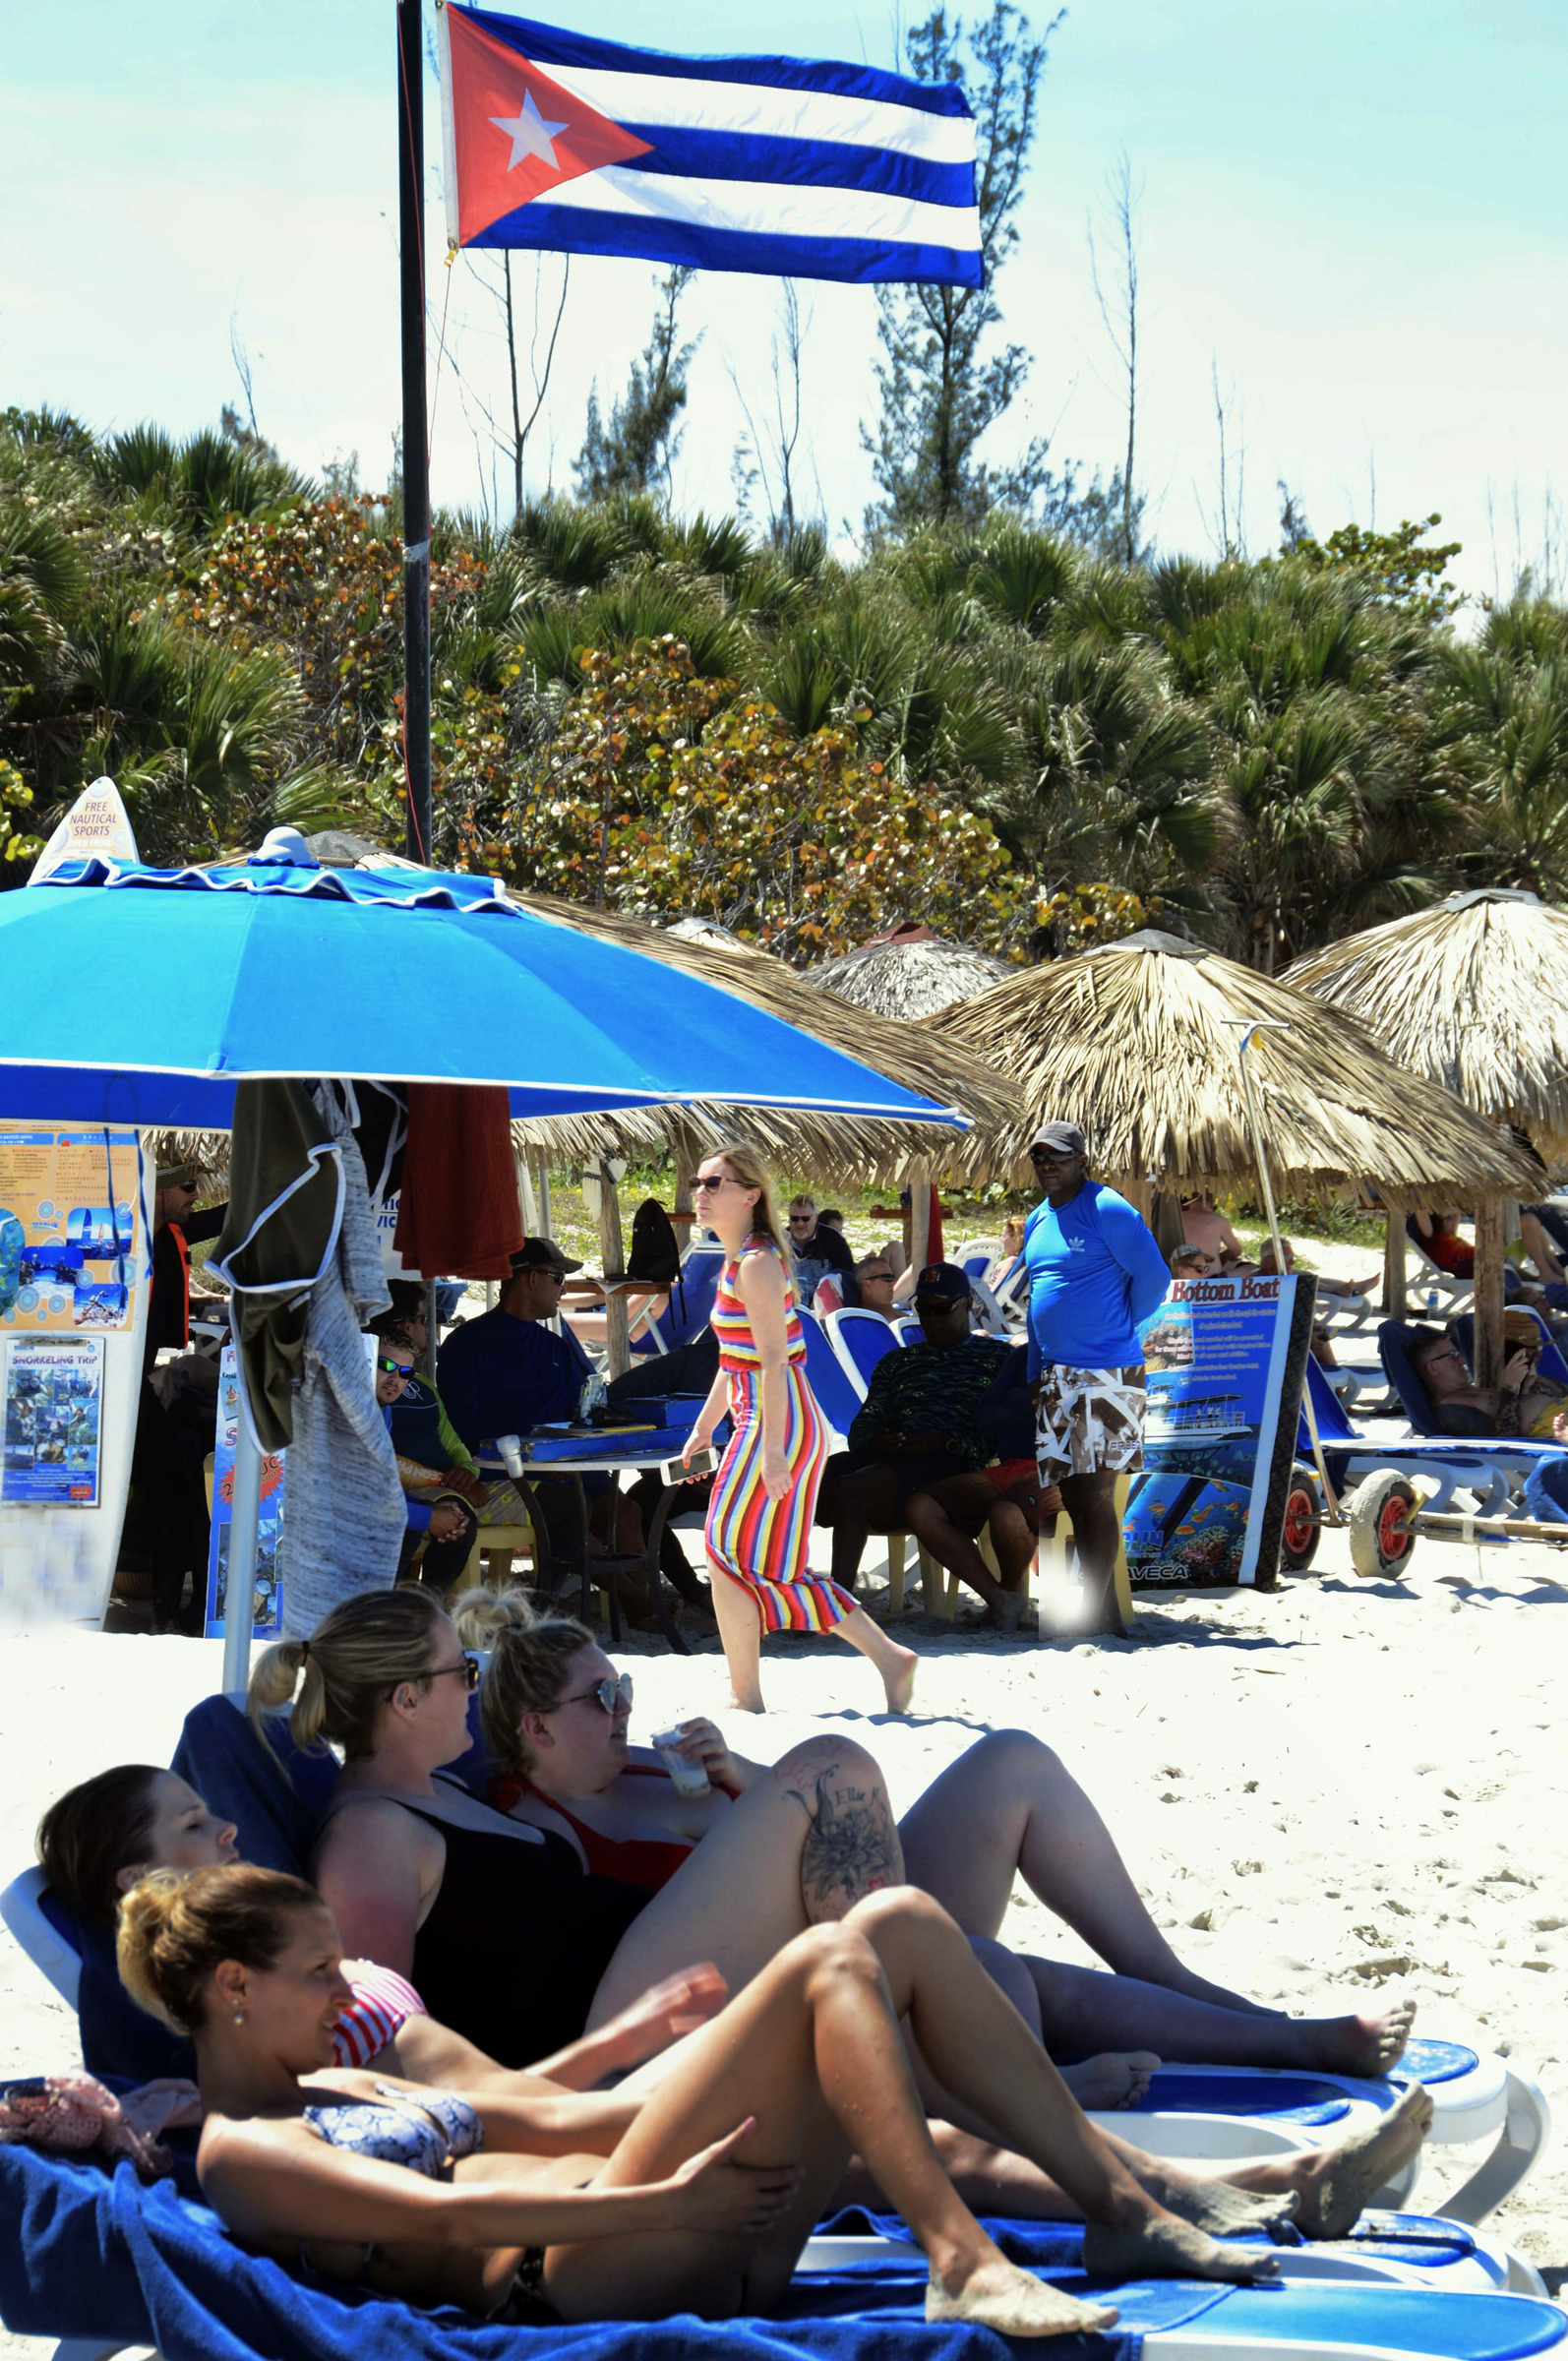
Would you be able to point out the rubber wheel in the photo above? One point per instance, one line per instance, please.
(1301, 1526)
(1381, 1540)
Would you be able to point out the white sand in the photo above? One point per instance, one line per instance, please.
(1354, 1790)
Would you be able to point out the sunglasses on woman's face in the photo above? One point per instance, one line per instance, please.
(467, 1665)
(711, 1180)
(614, 1695)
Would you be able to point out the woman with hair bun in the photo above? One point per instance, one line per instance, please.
(695, 2198)
(760, 1514)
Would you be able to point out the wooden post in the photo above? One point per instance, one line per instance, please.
(919, 1216)
(682, 1213)
(1489, 1355)
(612, 1254)
(1395, 1304)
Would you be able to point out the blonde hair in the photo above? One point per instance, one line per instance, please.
(526, 1675)
(481, 1615)
(747, 1167)
(344, 1671)
(176, 1931)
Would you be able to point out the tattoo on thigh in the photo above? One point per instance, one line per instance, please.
(851, 1847)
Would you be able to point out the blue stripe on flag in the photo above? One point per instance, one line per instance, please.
(573, 229)
(549, 45)
(696, 154)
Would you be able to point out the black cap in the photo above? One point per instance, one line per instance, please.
(542, 1254)
(945, 1281)
(1065, 1137)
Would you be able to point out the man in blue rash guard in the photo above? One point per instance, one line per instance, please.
(1095, 1276)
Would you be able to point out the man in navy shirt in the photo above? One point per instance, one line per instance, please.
(1095, 1276)
(508, 1371)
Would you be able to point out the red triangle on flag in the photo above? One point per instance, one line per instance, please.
(518, 134)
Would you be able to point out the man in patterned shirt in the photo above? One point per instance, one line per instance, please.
(917, 1422)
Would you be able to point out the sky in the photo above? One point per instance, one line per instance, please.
(1352, 240)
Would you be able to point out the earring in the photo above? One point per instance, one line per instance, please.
(239, 2016)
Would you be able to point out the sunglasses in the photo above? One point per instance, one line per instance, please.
(802, 1221)
(394, 1369)
(612, 1695)
(467, 1665)
(714, 1180)
(1052, 1155)
(540, 1270)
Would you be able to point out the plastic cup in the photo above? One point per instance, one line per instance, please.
(510, 1447)
(690, 1778)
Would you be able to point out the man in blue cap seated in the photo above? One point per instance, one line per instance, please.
(917, 1423)
(506, 1371)
(1095, 1276)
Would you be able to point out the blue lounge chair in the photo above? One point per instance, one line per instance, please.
(859, 1338)
(108, 2266)
(690, 1305)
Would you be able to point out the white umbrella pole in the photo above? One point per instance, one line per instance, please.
(1330, 1502)
(243, 1524)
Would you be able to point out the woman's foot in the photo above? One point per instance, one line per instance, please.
(1219, 2208)
(1118, 2078)
(899, 1684)
(1160, 2246)
(1338, 2183)
(1370, 2045)
(998, 2295)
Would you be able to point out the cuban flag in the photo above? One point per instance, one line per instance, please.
(789, 167)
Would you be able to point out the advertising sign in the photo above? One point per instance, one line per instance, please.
(97, 827)
(1225, 1362)
(53, 1407)
(267, 1580)
(68, 1228)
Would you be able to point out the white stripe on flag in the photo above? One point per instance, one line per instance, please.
(760, 108)
(770, 209)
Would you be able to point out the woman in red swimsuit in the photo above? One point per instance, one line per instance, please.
(556, 1720)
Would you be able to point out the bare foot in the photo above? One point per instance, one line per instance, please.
(1015, 2304)
(1118, 2078)
(1218, 2206)
(746, 1705)
(1162, 2247)
(1364, 2045)
(900, 1684)
(1337, 2182)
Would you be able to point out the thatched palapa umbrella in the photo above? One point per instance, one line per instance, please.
(1137, 1042)
(1473, 993)
(909, 974)
(830, 1147)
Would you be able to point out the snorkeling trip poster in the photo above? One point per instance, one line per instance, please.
(53, 1404)
(68, 1228)
(266, 1592)
(1225, 1362)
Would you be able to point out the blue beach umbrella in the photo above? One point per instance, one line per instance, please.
(142, 995)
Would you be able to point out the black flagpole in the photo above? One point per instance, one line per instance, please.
(416, 451)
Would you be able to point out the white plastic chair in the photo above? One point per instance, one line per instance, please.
(21, 1908)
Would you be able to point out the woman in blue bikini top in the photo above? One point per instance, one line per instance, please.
(539, 2202)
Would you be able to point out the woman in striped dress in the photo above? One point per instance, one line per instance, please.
(759, 1517)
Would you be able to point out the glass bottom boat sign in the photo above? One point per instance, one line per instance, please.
(1226, 1359)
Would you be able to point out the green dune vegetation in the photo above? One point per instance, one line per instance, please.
(998, 728)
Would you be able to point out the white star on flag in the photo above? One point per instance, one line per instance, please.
(529, 133)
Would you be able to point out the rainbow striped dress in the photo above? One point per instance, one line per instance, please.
(757, 1541)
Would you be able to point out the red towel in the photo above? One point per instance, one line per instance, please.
(459, 1216)
(934, 1249)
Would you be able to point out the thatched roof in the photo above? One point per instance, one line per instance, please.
(1474, 994)
(1137, 1043)
(830, 1148)
(911, 979)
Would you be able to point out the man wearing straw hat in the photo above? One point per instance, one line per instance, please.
(1094, 1275)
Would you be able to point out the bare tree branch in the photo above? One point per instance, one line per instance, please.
(1118, 316)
